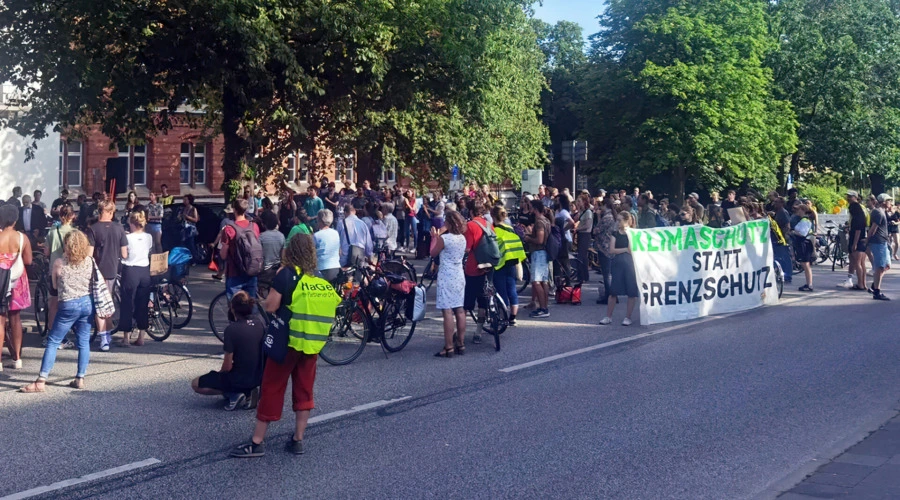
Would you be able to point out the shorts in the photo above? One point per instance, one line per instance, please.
(216, 381)
(803, 250)
(881, 255)
(860, 246)
(475, 293)
(540, 269)
(301, 370)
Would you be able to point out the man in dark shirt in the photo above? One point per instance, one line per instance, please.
(728, 202)
(108, 245)
(878, 243)
(241, 373)
(62, 200)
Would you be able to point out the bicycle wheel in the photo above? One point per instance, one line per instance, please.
(497, 320)
(348, 335)
(160, 319)
(218, 316)
(398, 329)
(824, 253)
(522, 284)
(428, 275)
(399, 268)
(179, 297)
(41, 309)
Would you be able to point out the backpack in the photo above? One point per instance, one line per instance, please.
(248, 252)
(487, 251)
(554, 243)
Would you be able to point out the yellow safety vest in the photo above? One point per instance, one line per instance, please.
(511, 247)
(312, 307)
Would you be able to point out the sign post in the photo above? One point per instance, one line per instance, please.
(574, 151)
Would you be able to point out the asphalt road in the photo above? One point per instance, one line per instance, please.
(739, 406)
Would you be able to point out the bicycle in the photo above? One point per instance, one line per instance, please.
(220, 312)
(522, 284)
(388, 262)
(159, 314)
(174, 290)
(39, 271)
(429, 274)
(373, 311)
(496, 320)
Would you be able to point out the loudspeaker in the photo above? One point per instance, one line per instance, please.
(117, 168)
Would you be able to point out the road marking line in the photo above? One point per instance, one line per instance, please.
(625, 340)
(355, 409)
(83, 479)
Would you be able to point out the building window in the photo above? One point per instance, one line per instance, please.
(137, 163)
(298, 173)
(304, 168)
(70, 156)
(389, 173)
(345, 167)
(193, 163)
(290, 172)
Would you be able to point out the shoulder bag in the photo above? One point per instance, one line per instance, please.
(104, 306)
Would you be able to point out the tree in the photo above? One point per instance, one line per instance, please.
(839, 64)
(274, 76)
(678, 88)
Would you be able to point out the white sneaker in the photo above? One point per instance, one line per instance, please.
(606, 321)
(17, 365)
(626, 322)
(104, 342)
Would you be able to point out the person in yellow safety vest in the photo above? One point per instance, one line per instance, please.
(512, 252)
(312, 302)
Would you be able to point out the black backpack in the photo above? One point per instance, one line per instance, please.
(248, 252)
(554, 242)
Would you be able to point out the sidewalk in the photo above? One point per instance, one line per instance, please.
(868, 470)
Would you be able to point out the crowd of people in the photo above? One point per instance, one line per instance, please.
(300, 244)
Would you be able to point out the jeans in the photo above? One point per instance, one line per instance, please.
(605, 268)
(401, 232)
(412, 225)
(235, 284)
(135, 294)
(75, 313)
(505, 283)
(782, 255)
(191, 245)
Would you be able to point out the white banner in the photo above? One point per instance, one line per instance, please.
(689, 272)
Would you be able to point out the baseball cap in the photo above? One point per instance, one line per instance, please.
(852, 193)
(694, 195)
(883, 197)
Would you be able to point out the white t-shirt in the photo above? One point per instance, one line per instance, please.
(139, 247)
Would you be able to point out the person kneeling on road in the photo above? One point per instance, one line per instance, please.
(310, 302)
(239, 378)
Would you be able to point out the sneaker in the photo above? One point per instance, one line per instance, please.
(476, 339)
(606, 321)
(805, 288)
(512, 322)
(294, 446)
(626, 322)
(535, 314)
(235, 401)
(249, 450)
(880, 296)
(17, 364)
(104, 342)
(252, 400)
(543, 313)
(67, 344)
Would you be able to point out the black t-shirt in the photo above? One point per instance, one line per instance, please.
(894, 217)
(243, 339)
(107, 238)
(525, 219)
(857, 222)
(284, 283)
(725, 206)
(57, 202)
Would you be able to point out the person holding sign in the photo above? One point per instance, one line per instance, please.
(623, 279)
(801, 232)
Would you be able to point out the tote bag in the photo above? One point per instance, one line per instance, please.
(104, 306)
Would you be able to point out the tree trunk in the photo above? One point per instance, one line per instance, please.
(795, 167)
(781, 175)
(236, 147)
(678, 180)
(877, 181)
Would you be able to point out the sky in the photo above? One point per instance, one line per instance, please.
(583, 12)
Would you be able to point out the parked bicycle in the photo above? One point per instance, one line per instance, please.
(372, 311)
(39, 271)
(496, 320)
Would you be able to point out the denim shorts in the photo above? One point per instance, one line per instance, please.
(881, 255)
(540, 270)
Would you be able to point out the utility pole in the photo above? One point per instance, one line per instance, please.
(574, 151)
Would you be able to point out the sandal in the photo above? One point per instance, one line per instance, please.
(459, 349)
(446, 353)
(33, 388)
(78, 383)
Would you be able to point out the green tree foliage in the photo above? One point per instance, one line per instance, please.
(564, 60)
(679, 88)
(422, 81)
(839, 64)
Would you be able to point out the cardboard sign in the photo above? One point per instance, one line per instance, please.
(159, 263)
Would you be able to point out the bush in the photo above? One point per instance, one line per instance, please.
(824, 198)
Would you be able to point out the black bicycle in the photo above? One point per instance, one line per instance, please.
(496, 320)
(375, 311)
(39, 271)
(220, 315)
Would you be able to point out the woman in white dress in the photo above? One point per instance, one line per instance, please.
(450, 244)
